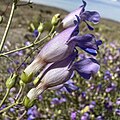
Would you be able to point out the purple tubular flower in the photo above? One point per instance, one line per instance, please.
(88, 43)
(68, 86)
(90, 16)
(87, 67)
(55, 50)
(57, 74)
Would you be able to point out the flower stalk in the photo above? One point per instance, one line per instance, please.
(8, 26)
(5, 97)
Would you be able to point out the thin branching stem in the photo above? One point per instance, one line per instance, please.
(24, 113)
(7, 108)
(3, 100)
(7, 27)
(29, 46)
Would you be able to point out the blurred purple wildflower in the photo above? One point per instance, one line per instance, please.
(100, 118)
(56, 101)
(111, 87)
(73, 115)
(118, 101)
(70, 86)
(107, 75)
(83, 94)
(35, 33)
(92, 105)
(117, 111)
(27, 43)
(85, 116)
(109, 105)
(10, 70)
(33, 113)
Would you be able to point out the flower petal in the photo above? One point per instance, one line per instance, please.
(87, 67)
(87, 42)
(71, 17)
(91, 16)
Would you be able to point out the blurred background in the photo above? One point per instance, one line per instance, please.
(107, 8)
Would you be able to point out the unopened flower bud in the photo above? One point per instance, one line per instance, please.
(1, 19)
(36, 80)
(40, 28)
(28, 103)
(21, 83)
(11, 81)
(32, 27)
(26, 78)
(90, 16)
(55, 19)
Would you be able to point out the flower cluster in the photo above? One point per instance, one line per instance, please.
(58, 58)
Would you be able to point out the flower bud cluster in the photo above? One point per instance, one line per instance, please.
(58, 58)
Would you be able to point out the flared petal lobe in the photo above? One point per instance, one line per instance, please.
(91, 16)
(87, 67)
(87, 43)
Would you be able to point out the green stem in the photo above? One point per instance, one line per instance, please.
(3, 110)
(20, 90)
(29, 46)
(22, 48)
(22, 115)
(37, 37)
(3, 100)
(8, 26)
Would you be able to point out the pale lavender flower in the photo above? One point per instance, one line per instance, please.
(91, 16)
(56, 49)
(62, 46)
(60, 72)
(82, 67)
